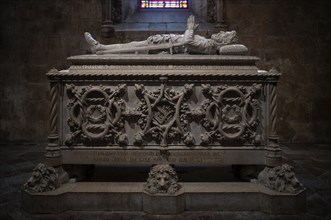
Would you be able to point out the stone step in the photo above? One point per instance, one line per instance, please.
(193, 196)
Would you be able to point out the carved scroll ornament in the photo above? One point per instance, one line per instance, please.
(230, 114)
(163, 115)
(96, 114)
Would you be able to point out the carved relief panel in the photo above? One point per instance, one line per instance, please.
(95, 115)
(151, 109)
(231, 114)
(162, 115)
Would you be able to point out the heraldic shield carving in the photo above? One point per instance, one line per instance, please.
(95, 115)
(231, 114)
(163, 115)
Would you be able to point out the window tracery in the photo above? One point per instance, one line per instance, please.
(146, 4)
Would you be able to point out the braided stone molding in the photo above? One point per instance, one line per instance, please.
(53, 149)
(273, 151)
(162, 59)
(194, 72)
(54, 108)
(273, 108)
(157, 67)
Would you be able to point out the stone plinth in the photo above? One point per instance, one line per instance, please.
(160, 204)
(130, 197)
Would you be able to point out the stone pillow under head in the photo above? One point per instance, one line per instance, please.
(233, 49)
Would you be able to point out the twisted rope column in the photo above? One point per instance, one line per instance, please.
(54, 109)
(53, 152)
(273, 157)
(273, 109)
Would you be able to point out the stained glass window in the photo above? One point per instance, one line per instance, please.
(163, 4)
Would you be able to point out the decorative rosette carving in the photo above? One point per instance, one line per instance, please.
(95, 115)
(163, 115)
(230, 114)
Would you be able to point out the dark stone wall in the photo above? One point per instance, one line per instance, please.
(292, 36)
(37, 35)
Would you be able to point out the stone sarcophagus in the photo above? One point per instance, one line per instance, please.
(163, 109)
(125, 106)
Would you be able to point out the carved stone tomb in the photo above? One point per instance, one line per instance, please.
(164, 110)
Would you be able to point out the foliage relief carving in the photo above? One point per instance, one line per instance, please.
(163, 115)
(95, 114)
(230, 114)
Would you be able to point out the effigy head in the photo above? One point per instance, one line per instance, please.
(225, 37)
(162, 179)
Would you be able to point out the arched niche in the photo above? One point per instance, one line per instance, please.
(127, 15)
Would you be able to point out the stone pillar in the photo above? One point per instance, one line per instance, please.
(220, 16)
(53, 153)
(273, 157)
(107, 23)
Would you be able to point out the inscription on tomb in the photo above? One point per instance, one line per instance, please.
(143, 157)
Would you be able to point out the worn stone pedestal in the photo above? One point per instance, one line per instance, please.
(164, 204)
(119, 196)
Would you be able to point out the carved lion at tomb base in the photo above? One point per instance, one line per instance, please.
(162, 179)
(281, 178)
(43, 179)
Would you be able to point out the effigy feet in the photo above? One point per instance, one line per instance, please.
(91, 42)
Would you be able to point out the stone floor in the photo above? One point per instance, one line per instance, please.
(312, 166)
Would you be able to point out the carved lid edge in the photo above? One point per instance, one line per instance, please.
(152, 59)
